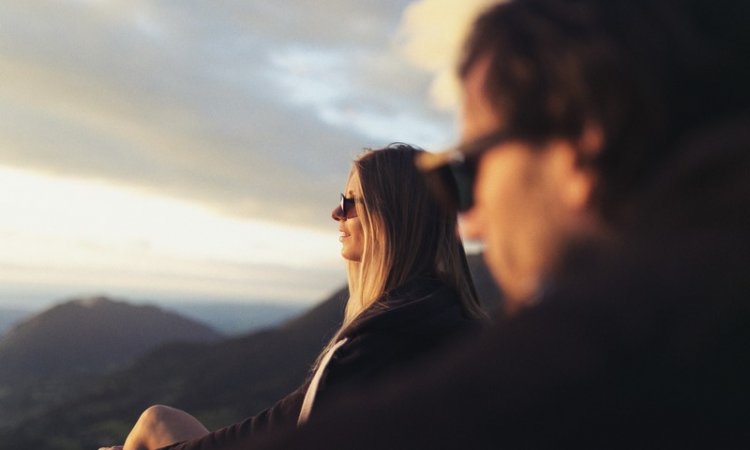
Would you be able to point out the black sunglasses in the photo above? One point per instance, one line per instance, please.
(451, 174)
(345, 210)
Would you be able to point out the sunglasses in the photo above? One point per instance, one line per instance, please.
(345, 209)
(451, 174)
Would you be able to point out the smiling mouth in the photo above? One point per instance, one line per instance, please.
(343, 236)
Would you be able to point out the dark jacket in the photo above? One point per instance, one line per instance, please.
(400, 328)
(640, 344)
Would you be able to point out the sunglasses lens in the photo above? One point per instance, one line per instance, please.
(345, 210)
(350, 210)
(452, 185)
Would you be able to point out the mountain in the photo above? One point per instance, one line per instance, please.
(90, 335)
(51, 357)
(220, 382)
(10, 317)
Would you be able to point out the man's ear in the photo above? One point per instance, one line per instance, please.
(579, 188)
(574, 181)
(578, 177)
(591, 141)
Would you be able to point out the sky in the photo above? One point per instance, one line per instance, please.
(193, 150)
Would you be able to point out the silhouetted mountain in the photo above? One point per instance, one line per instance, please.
(9, 317)
(90, 335)
(220, 383)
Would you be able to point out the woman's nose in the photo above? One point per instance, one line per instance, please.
(337, 214)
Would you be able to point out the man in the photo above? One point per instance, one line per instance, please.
(573, 121)
(608, 153)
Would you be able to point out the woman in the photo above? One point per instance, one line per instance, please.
(410, 291)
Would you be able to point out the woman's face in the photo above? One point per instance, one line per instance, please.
(352, 236)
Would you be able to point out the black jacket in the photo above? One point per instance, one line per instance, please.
(640, 344)
(400, 328)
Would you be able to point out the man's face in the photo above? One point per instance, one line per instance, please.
(521, 211)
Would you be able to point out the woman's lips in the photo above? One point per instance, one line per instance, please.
(342, 236)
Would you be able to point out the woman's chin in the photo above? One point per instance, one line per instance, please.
(350, 256)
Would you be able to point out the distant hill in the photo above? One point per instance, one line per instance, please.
(90, 335)
(10, 317)
(220, 382)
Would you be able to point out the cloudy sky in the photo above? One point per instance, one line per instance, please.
(193, 149)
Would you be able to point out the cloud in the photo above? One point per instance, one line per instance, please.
(431, 34)
(254, 108)
(220, 105)
(371, 101)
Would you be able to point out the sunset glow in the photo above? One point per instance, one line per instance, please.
(94, 236)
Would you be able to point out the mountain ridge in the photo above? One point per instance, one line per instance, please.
(90, 335)
(219, 382)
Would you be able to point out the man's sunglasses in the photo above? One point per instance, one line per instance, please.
(451, 174)
(345, 210)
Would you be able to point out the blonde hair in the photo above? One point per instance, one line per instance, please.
(367, 277)
(406, 233)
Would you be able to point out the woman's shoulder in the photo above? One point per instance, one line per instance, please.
(423, 305)
(408, 325)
